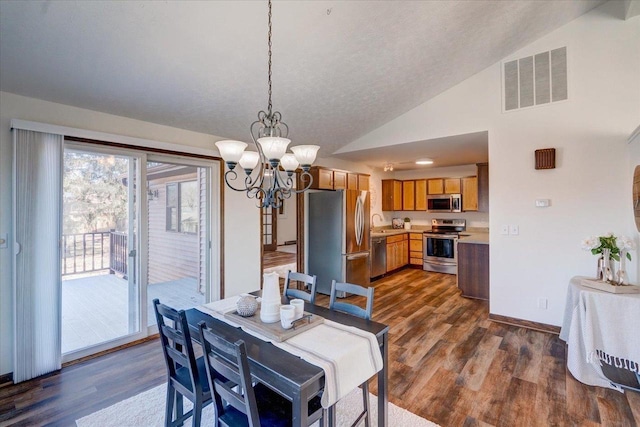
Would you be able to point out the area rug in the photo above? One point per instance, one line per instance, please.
(147, 409)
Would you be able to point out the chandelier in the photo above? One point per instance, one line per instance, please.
(264, 180)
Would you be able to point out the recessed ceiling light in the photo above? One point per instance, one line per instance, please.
(424, 162)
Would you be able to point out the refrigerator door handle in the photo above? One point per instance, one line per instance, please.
(359, 220)
(357, 256)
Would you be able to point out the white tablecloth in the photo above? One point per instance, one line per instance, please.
(349, 356)
(599, 325)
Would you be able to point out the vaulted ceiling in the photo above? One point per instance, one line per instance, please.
(340, 68)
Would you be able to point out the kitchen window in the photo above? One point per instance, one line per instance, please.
(182, 207)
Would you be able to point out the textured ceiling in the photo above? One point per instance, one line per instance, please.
(340, 69)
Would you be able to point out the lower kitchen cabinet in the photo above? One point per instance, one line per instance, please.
(397, 252)
(473, 270)
(415, 249)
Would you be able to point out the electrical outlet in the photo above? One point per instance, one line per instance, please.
(514, 230)
(504, 230)
(542, 303)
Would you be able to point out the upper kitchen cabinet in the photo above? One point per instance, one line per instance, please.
(322, 178)
(332, 179)
(339, 180)
(356, 181)
(421, 194)
(363, 182)
(443, 186)
(408, 195)
(483, 187)
(470, 193)
(435, 186)
(452, 186)
(391, 195)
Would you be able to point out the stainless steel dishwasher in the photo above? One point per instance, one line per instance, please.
(378, 256)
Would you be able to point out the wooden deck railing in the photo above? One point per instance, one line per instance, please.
(88, 252)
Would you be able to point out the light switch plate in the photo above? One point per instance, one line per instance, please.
(543, 203)
(504, 230)
(514, 230)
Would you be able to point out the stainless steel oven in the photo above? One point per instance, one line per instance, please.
(440, 245)
(440, 252)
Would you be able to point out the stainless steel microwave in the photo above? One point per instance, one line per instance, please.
(444, 203)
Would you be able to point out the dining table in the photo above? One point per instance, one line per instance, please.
(289, 375)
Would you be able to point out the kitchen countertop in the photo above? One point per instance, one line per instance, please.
(470, 235)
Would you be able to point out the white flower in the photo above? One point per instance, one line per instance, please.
(590, 243)
(623, 242)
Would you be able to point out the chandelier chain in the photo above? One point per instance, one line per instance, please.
(269, 37)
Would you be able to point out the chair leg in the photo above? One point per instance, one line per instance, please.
(179, 408)
(196, 413)
(365, 402)
(168, 416)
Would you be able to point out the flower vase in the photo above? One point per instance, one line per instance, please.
(600, 270)
(607, 274)
(621, 274)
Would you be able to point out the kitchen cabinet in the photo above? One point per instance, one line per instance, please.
(473, 270)
(470, 193)
(397, 252)
(332, 179)
(352, 181)
(415, 249)
(322, 178)
(452, 186)
(435, 186)
(483, 187)
(444, 186)
(391, 195)
(421, 195)
(408, 195)
(339, 180)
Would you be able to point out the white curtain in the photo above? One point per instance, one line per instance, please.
(36, 274)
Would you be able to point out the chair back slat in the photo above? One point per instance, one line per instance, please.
(177, 347)
(308, 280)
(365, 313)
(225, 359)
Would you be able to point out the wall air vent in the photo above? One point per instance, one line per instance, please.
(535, 80)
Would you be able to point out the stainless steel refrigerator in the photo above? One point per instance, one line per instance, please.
(338, 237)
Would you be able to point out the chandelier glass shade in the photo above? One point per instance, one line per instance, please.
(268, 170)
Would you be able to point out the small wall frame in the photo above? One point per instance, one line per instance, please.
(545, 158)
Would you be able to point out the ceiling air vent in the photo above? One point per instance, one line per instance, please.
(535, 80)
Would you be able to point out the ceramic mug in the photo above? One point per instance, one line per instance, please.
(287, 316)
(299, 305)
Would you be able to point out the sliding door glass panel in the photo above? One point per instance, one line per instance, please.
(100, 293)
(178, 235)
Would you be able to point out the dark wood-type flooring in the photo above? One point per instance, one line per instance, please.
(448, 363)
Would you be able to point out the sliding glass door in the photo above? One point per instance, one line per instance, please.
(100, 285)
(136, 227)
(177, 267)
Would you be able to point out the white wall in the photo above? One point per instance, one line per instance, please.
(287, 222)
(242, 219)
(590, 185)
(634, 161)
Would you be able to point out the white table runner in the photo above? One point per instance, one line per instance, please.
(349, 356)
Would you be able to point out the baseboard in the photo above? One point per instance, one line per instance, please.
(290, 242)
(6, 379)
(111, 350)
(542, 327)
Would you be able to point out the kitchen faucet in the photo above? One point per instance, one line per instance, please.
(373, 216)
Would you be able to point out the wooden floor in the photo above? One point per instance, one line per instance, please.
(275, 258)
(448, 363)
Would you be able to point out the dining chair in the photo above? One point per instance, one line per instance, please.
(186, 375)
(227, 366)
(308, 280)
(355, 310)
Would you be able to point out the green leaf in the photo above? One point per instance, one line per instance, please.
(628, 256)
